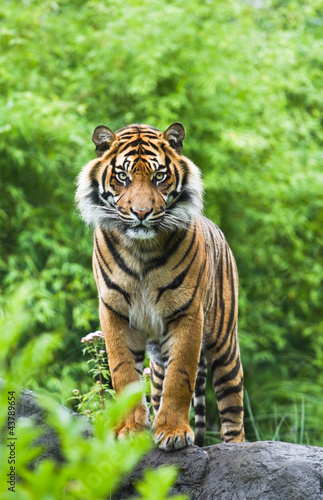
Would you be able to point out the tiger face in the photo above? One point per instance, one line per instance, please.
(140, 182)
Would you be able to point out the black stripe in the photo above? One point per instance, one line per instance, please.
(164, 341)
(185, 170)
(230, 324)
(138, 355)
(113, 286)
(93, 173)
(228, 260)
(227, 420)
(104, 175)
(220, 300)
(133, 144)
(200, 424)
(175, 319)
(199, 391)
(199, 410)
(131, 152)
(152, 145)
(186, 379)
(183, 196)
(102, 258)
(231, 317)
(230, 390)
(156, 397)
(126, 135)
(148, 152)
(117, 257)
(233, 433)
(202, 362)
(157, 374)
(118, 366)
(187, 305)
(199, 438)
(156, 385)
(176, 176)
(127, 144)
(114, 311)
(200, 380)
(164, 360)
(187, 251)
(223, 360)
(162, 259)
(230, 375)
(176, 283)
(232, 409)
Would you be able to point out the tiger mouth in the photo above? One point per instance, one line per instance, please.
(141, 232)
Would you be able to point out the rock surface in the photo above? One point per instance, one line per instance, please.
(267, 470)
(29, 407)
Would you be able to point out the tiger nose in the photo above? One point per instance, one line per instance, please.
(141, 213)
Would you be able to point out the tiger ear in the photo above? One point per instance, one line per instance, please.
(175, 135)
(102, 138)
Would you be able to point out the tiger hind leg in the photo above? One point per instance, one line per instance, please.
(199, 402)
(227, 377)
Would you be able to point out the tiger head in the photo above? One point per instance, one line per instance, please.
(140, 183)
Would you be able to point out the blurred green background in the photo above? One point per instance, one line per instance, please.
(246, 80)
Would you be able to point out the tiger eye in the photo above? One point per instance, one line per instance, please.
(159, 176)
(122, 176)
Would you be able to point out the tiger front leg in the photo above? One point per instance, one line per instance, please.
(126, 364)
(171, 425)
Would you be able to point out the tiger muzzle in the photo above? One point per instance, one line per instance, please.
(141, 213)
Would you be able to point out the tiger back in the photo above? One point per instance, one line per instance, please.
(167, 283)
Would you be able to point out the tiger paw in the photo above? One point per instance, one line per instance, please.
(173, 438)
(131, 430)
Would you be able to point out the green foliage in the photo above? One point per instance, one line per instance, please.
(99, 394)
(94, 462)
(246, 83)
(93, 466)
(165, 476)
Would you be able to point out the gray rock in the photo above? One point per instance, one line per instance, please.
(267, 470)
(28, 407)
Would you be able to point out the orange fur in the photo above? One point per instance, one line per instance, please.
(167, 282)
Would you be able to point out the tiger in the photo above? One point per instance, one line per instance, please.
(167, 283)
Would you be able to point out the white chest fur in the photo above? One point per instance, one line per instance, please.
(145, 314)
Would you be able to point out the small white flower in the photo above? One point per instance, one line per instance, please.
(92, 336)
(147, 371)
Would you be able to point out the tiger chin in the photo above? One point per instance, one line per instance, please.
(167, 283)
